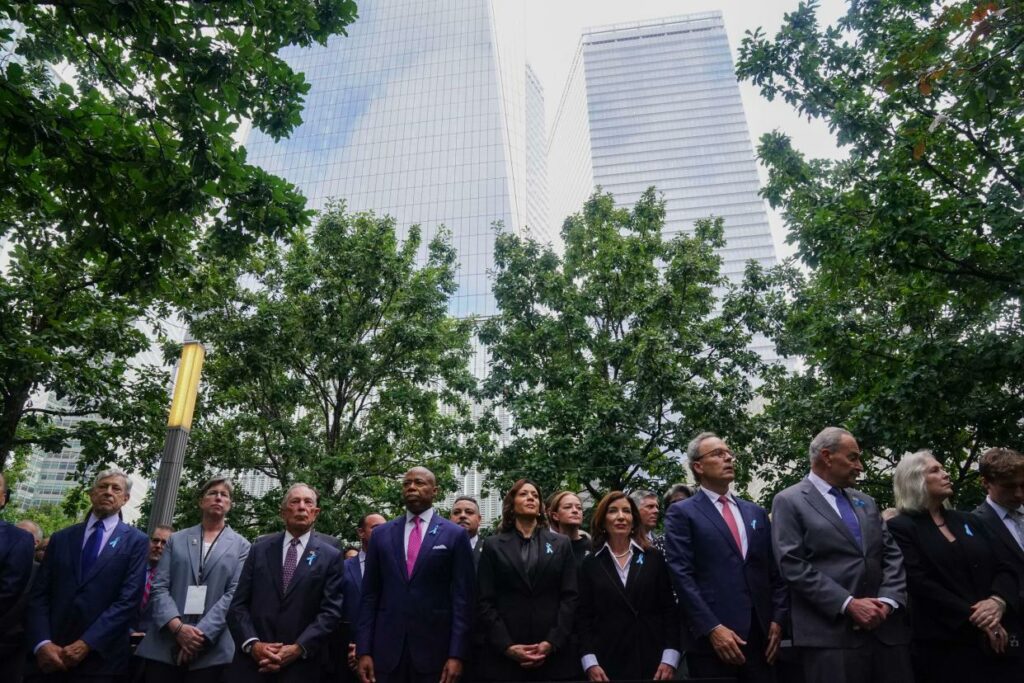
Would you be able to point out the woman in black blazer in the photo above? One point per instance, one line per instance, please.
(527, 585)
(963, 601)
(627, 621)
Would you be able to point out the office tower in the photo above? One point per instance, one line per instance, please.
(657, 103)
(429, 113)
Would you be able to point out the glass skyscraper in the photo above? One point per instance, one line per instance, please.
(657, 103)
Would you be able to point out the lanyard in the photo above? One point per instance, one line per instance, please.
(204, 555)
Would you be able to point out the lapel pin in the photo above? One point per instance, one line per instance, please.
(113, 542)
(753, 524)
(859, 503)
(548, 549)
(968, 530)
(433, 532)
(640, 558)
(311, 558)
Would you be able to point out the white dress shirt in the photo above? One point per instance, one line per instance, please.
(1007, 519)
(425, 518)
(299, 549)
(473, 541)
(735, 508)
(668, 655)
(362, 562)
(823, 487)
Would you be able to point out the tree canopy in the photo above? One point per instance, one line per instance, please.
(120, 171)
(610, 358)
(906, 309)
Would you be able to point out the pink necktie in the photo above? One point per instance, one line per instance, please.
(415, 539)
(730, 522)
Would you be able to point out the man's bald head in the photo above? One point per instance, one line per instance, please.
(419, 488)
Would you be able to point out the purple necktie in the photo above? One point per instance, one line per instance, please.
(847, 513)
(291, 559)
(415, 540)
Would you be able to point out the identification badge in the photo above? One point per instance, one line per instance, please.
(195, 600)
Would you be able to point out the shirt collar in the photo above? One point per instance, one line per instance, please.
(362, 556)
(1003, 512)
(303, 539)
(633, 547)
(424, 516)
(819, 483)
(109, 523)
(714, 496)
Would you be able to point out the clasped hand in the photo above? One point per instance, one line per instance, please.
(868, 613)
(272, 657)
(529, 656)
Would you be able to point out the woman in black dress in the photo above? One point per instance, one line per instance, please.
(527, 585)
(628, 625)
(963, 601)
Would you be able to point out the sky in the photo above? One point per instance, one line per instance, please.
(553, 29)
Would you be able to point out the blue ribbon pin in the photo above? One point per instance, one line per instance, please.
(548, 549)
(433, 532)
(967, 530)
(640, 558)
(113, 542)
(311, 558)
(859, 503)
(753, 524)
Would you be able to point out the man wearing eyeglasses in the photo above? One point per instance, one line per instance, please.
(719, 552)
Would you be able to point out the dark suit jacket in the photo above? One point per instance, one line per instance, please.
(627, 627)
(307, 613)
(430, 612)
(1004, 544)
(16, 569)
(98, 607)
(515, 610)
(351, 590)
(715, 583)
(941, 594)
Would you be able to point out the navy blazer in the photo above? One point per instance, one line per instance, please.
(715, 583)
(17, 547)
(351, 589)
(306, 613)
(99, 607)
(432, 609)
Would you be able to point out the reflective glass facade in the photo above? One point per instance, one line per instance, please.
(657, 103)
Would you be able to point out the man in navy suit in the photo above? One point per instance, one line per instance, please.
(417, 602)
(719, 551)
(352, 591)
(87, 592)
(16, 554)
(288, 599)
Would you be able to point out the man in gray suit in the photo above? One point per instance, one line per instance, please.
(188, 640)
(845, 573)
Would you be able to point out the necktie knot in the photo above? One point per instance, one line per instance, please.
(723, 500)
(835, 491)
(295, 542)
(416, 520)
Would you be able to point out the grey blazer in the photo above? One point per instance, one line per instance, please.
(179, 569)
(824, 565)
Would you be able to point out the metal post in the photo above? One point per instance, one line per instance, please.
(179, 422)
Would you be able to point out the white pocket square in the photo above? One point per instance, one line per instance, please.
(440, 547)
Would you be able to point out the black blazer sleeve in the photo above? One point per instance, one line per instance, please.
(490, 618)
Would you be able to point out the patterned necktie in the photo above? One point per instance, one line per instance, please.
(291, 559)
(730, 521)
(846, 512)
(415, 540)
(149, 586)
(92, 548)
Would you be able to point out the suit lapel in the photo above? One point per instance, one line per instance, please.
(305, 562)
(545, 550)
(636, 566)
(77, 539)
(710, 511)
(398, 546)
(1000, 530)
(108, 550)
(430, 535)
(218, 549)
(195, 547)
(824, 508)
(509, 547)
(274, 562)
(747, 517)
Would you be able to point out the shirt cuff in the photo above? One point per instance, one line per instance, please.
(39, 645)
(846, 604)
(247, 645)
(670, 657)
(588, 660)
(892, 603)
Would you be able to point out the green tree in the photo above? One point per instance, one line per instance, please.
(119, 174)
(609, 359)
(333, 361)
(907, 310)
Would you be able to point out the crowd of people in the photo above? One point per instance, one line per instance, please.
(822, 589)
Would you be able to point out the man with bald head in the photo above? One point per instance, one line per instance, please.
(417, 601)
(287, 603)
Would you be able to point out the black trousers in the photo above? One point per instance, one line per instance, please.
(706, 664)
(405, 672)
(159, 672)
(875, 662)
(953, 662)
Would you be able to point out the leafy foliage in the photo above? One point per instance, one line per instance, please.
(908, 311)
(609, 359)
(333, 361)
(119, 170)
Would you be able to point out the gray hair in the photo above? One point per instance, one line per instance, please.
(642, 495)
(296, 485)
(829, 439)
(31, 527)
(113, 472)
(693, 451)
(214, 481)
(908, 482)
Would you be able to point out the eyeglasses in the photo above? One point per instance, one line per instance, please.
(716, 453)
(158, 541)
